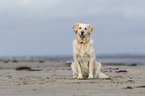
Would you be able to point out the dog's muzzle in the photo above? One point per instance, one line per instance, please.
(82, 34)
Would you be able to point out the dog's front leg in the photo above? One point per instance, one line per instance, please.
(91, 63)
(79, 71)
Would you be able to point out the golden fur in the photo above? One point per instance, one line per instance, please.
(85, 65)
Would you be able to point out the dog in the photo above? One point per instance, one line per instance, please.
(85, 64)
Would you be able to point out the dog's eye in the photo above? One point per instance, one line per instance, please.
(80, 28)
(85, 28)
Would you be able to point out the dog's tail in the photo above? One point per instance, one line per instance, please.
(102, 75)
(99, 73)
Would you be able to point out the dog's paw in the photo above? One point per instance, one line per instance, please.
(74, 77)
(91, 77)
(80, 77)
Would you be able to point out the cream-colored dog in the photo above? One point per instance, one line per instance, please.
(85, 65)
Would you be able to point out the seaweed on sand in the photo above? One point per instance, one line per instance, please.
(22, 68)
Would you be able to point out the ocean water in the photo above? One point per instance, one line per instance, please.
(107, 61)
(69, 59)
(140, 60)
(116, 59)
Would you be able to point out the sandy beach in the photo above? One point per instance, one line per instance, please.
(41, 38)
(128, 81)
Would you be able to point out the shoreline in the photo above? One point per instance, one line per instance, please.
(57, 65)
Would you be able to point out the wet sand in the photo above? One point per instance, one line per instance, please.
(58, 82)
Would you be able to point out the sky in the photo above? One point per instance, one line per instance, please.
(44, 27)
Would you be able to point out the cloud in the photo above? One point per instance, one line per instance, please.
(39, 22)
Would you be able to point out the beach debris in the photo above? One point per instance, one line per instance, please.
(6, 61)
(104, 78)
(128, 87)
(23, 68)
(115, 68)
(112, 69)
(117, 77)
(131, 81)
(26, 68)
(119, 71)
(34, 89)
(41, 61)
(15, 61)
(140, 86)
(132, 64)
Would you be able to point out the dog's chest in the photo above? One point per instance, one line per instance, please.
(83, 51)
(83, 57)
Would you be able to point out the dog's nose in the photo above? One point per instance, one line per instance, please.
(82, 32)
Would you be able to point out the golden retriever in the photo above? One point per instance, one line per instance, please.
(85, 65)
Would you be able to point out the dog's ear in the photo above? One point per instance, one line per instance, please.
(90, 29)
(75, 28)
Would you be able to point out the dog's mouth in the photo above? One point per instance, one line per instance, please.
(82, 36)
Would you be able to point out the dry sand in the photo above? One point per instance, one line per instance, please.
(58, 82)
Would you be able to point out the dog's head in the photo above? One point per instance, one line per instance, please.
(82, 32)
